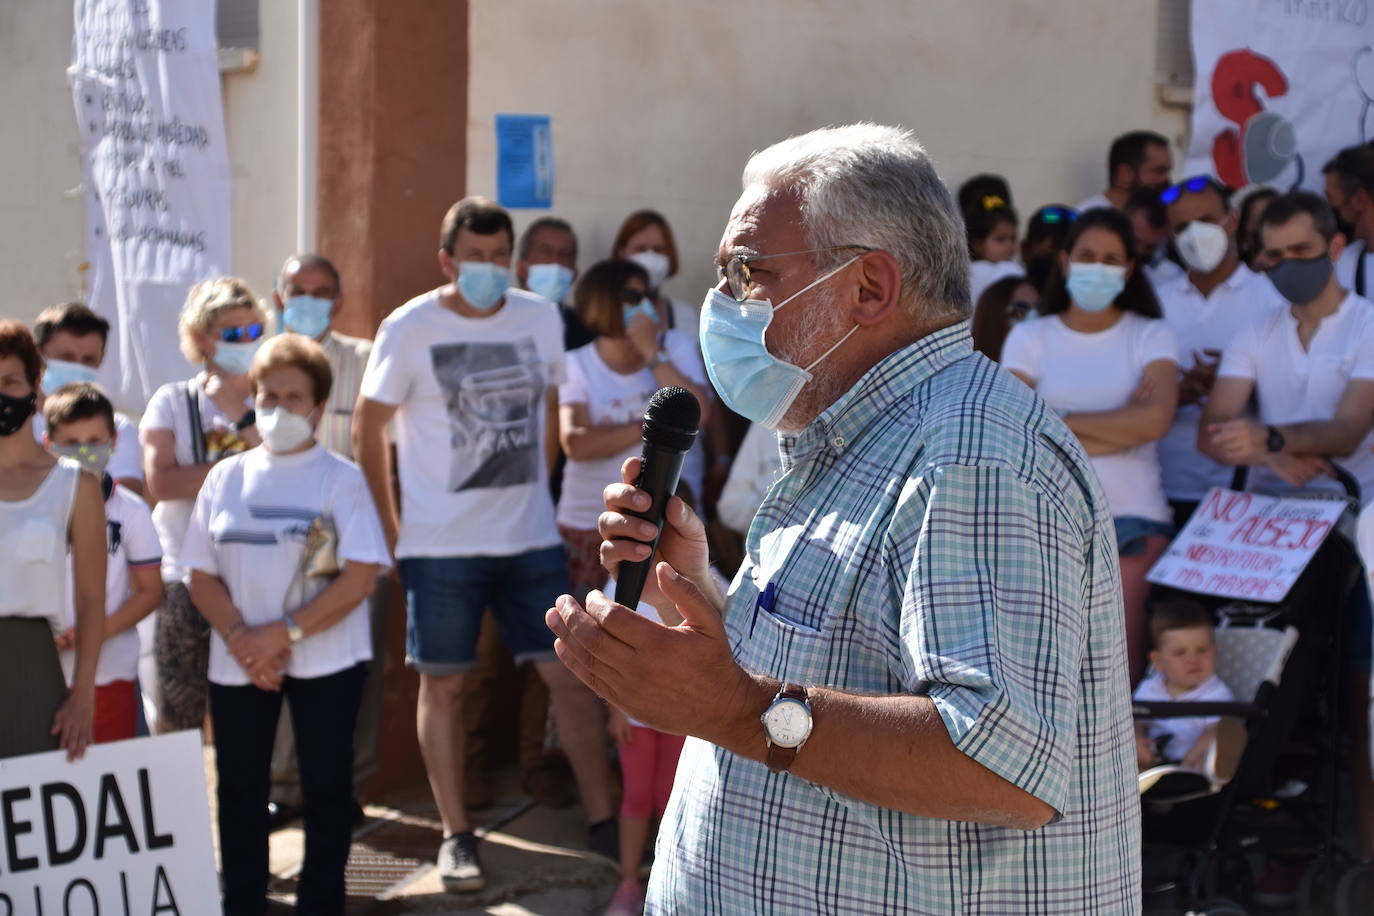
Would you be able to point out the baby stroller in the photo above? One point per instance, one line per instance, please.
(1205, 835)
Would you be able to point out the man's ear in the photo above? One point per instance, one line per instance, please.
(446, 266)
(879, 287)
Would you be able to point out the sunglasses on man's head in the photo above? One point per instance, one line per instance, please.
(246, 334)
(1190, 185)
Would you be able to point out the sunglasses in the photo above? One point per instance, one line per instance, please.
(1189, 185)
(631, 296)
(246, 334)
(1053, 216)
(1021, 309)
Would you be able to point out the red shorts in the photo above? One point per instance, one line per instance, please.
(116, 712)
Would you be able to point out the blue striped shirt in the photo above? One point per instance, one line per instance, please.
(936, 531)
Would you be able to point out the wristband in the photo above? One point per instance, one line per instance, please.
(232, 627)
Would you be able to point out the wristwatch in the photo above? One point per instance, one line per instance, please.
(1275, 442)
(786, 725)
(659, 359)
(293, 629)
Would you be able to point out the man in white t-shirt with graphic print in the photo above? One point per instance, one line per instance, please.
(1206, 309)
(1311, 369)
(470, 374)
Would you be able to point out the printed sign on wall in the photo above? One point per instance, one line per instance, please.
(124, 830)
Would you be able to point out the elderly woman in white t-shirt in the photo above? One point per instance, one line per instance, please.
(601, 405)
(289, 619)
(1102, 358)
(187, 427)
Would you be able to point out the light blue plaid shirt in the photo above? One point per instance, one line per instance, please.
(937, 531)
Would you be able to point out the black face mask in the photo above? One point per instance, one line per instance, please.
(1301, 280)
(15, 412)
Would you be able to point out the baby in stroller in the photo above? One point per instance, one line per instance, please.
(1183, 655)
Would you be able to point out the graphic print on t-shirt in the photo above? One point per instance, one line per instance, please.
(493, 392)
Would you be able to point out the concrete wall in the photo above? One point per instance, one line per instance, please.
(41, 248)
(660, 104)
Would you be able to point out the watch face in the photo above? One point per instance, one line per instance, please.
(788, 723)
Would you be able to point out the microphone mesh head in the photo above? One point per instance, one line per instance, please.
(674, 406)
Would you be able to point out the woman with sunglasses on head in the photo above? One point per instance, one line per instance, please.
(1046, 232)
(187, 427)
(1104, 361)
(601, 405)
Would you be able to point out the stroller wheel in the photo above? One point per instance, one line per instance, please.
(1354, 894)
(1317, 887)
(1229, 878)
(1220, 907)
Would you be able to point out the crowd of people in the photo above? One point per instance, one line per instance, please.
(236, 548)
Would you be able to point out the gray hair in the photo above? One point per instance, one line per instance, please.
(875, 186)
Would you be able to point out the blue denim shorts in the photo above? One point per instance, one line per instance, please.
(446, 596)
(1131, 533)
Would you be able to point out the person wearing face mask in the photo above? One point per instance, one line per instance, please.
(308, 296)
(546, 265)
(1103, 360)
(1139, 159)
(71, 339)
(187, 427)
(81, 427)
(1350, 191)
(646, 238)
(601, 405)
(1206, 309)
(895, 642)
(469, 372)
(47, 508)
(283, 628)
(1310, 370)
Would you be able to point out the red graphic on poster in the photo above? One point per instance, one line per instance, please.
(1262, 143)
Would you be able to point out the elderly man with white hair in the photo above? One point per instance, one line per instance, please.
(914, 697)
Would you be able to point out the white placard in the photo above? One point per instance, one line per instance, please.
(1246, 546)
(145, 79)
(124, 830)
(1280, 87)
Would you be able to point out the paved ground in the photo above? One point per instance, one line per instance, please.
(535, 860)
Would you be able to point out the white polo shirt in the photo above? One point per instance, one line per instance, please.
(1206, 323)
(1293, 385)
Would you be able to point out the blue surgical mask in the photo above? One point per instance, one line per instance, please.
(642, 307)
(751, 381)
(552, 281)
(235, 358)
(59, 372)
(308, 315)
(1093, 287)
(482, 284)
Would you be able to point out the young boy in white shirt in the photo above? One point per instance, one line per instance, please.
(81, 426)
(1184, 656)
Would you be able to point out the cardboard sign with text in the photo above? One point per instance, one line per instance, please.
(125, 830)
(1246, 546)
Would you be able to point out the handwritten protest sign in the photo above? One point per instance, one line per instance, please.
(145, 80)
(124, 831)
(1246, 546)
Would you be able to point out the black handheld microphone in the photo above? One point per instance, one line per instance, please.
(670, 428)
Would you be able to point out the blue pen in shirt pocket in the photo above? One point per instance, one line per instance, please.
(768, 602)
(765, 600)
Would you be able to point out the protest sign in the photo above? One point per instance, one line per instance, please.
(145, 79)
(124, 831)
(1246, 546)
(1280, 87)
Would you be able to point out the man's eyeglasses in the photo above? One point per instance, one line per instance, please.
(736, 270)
(1055, 215)
(245, 334)
(1189, 185)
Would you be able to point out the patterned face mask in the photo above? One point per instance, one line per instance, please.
(94, 458)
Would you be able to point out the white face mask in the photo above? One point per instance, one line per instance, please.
(1203, 245)
(282, 430)
(655, 264)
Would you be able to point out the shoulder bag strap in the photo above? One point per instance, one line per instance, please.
(197, 431)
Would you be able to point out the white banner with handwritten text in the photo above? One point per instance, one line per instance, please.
(145, 78)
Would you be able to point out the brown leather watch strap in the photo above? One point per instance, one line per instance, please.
(779, 758)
